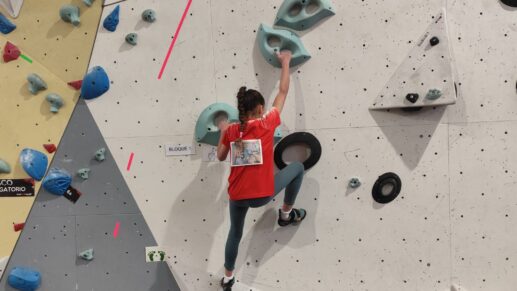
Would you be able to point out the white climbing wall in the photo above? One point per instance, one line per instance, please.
(454, 220)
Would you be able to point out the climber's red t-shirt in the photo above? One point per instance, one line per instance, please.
(250, 182)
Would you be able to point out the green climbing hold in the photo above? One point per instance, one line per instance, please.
(88, 2)
(303, 14)
(55, 101)
(87, 254)
(272, 41)
(433, 94)
(206, 129)
(149, 15)
(132, 38)
(36, 83)
(83, 173)
(70, 13)
(100, 154)
(5, 168)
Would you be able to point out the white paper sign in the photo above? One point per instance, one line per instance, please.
(179, 150)
(155, 254)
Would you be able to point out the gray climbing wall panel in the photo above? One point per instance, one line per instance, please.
(57, 230)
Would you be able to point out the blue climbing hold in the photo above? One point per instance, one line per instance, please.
(6, 26)
(36, 83)
(303, 14)
(433, 94)
(34, 163)
(70, 13)
(24, 279)
(111, 21)
(57, 181)
(95, 83)
(149, 15)
(55, 102)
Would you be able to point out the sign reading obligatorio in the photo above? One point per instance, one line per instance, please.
(16, 187)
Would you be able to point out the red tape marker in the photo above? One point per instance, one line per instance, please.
(130, 161)
(115, 231)
(174, 39)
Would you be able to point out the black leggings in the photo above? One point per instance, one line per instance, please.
(290, 178)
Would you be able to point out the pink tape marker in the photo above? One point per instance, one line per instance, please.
(176, 34)
(130, 161)
(115, 231)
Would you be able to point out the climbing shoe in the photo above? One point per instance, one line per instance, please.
(296, 216)
(227, 286)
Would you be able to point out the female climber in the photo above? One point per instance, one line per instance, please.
(256, 185)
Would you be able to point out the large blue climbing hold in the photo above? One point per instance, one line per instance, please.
(57, 181)
(111, 21)
(95, 83)
(34, 163)
(24, 279)
(6, 26)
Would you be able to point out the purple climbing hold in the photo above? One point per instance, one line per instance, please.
(24, 279)
(95, 83)
(34, 163)
(111, 21)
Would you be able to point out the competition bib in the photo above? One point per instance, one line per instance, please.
(250, 154)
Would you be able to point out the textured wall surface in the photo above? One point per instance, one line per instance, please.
(105, 218)
(452, 221)
(60, 53)
(26, 122)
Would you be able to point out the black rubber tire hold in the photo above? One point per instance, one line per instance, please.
(511, 3)
(387, 178)
(298, 137)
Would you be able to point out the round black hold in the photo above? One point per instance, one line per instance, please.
(511, 3)
(295, 138)
(434, 41)
(387, 179)
(412, 97)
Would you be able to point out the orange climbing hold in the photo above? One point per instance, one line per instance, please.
(50, 147)
(11, 52)
(18, 226)
(76, 84)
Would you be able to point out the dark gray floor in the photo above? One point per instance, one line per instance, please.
(57, 230)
